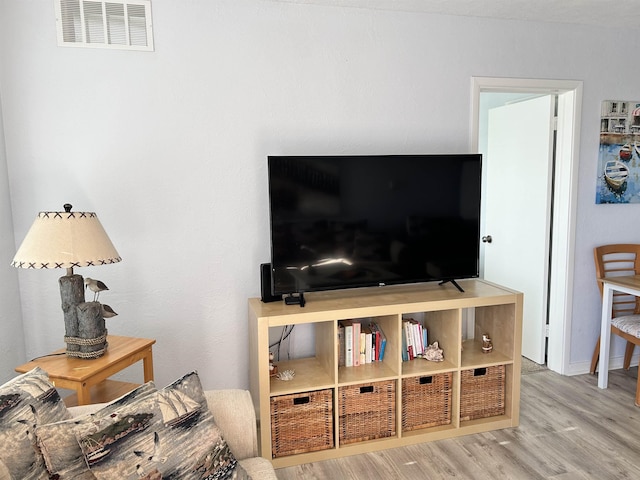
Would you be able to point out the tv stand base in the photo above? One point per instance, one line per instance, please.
(292, 299)
(454, 283)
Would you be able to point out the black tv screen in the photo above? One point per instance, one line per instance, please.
(356, 221)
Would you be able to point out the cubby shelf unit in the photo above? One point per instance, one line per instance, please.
(442, 309)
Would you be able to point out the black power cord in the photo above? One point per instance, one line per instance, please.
(284, 334)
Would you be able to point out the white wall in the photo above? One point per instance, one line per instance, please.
(12, 338)
(169, 147)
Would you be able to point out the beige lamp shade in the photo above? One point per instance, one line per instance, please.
(65, 240)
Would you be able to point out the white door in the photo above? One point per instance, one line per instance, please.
(518, 186)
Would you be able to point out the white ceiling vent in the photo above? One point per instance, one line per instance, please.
(120, 24)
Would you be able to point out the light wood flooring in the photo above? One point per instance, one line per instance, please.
(569, 430)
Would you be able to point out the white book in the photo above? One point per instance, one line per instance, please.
(348, 344)
(407, 334)
(418, 338)
(340, 345)
(368, 353)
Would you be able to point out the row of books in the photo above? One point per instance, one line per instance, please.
(414, 339)
(360, 343)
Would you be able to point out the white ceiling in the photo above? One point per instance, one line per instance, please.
(607, 13)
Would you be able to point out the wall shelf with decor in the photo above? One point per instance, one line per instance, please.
(330, 410)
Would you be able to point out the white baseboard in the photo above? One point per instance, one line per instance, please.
(615, 363)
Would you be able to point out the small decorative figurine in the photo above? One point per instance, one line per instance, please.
(487, 345)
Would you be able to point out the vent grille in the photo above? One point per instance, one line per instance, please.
(120, 24)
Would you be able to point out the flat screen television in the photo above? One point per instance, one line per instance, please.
(358, 221)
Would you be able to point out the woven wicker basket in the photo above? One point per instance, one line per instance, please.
(367, 411)
(482, 392)
(302, 422)
(426, 401)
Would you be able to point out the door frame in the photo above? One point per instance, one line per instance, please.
(563, 226)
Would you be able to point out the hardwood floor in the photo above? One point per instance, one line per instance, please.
(569, 430)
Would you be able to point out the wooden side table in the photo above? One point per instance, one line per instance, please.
(89, 378)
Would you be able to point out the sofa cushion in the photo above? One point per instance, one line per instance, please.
(58, 443)
(239, 430)
(168, 434)
(258, 468)
(26, 401)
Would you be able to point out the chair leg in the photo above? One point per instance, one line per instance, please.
(638, 387)
(628, 352)
(595, 357)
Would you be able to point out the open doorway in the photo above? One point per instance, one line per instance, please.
(561, 216)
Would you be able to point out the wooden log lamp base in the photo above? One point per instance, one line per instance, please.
(85, 330)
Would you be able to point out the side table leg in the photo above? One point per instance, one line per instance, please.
(84, 396)
(147, 365)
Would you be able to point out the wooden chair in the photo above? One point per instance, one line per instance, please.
(617, 260)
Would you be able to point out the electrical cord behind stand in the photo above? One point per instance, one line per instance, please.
(284, 334)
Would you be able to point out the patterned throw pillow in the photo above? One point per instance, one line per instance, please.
(59, 446)
(167, 434)
(26, 401)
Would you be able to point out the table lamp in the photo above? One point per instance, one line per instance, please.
(67, 240)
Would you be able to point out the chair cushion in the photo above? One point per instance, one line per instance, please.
(628, 324)
(26, 401)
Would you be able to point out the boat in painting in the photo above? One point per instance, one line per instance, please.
(615, 174)
(96, 455)
(95, 446)
(7, 402)
(177, 408)
(625, 152)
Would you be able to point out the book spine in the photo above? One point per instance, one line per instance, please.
(383, 344)
(405, 356)
(374, 353)
(417, 335)
(409, 337)
(368, 351)
(348, 344)
(341, 355)
(356, 344)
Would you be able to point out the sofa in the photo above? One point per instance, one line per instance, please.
(234, 414)
(179, 431)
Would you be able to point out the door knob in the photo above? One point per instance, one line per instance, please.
(486, 239)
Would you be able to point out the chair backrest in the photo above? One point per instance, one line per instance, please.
(617, 260)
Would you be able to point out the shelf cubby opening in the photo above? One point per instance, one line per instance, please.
(311, 372)
(442, 326)
(376, 370)
(498, 322)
